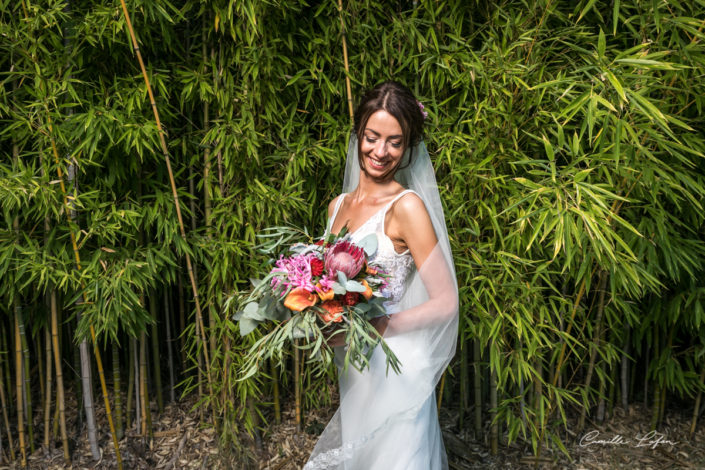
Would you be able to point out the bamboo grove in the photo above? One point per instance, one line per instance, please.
(568, 144)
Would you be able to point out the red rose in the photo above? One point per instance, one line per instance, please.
(316, 267)
(351, 298)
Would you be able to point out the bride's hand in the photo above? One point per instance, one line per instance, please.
(380, 324)
(334, 336)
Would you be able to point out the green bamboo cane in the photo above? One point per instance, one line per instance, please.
(157, 369)
(297, 386)
(696, 408)
(170, 356)
(47, 397)
(27, 389)
(60, 401)
(477, 386)
(602, 285)
(165, 151)
(130, 381)
(18, 382)
(77, 259)
(117, 386)
(3, 399)
(40, 369)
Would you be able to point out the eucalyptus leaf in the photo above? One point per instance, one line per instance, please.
(369, 244)
(247, 325)
(355, 286)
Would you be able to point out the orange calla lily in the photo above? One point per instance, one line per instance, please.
(368, 290)
(334, 309)
(299, 298)
(324, 295)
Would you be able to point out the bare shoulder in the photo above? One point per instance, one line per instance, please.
(410, 205)
(411, 227)
(331, 205)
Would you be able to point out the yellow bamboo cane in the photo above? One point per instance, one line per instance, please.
(165, 151)
(61, 403)
(77, 258)
(345, 59)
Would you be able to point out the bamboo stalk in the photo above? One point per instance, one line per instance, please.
(155, 350)
(2, 451)
(55, 427)
(87, 387)
(130, 382)
(169, 348)
(463, 402)
(297, 386)
(696, 408)
(596, 338)
(60, 400)
(657, 388)
(646, 375)
(440, 392)
(477, 386)
(137, 383)
(189, 266)
(117, 389)
(624, 371)
(182, 318)
(18, 382)
(96, 352)
(494, 428)
(345, 59)
(254, 416)
(27, 389)
(47, 398)
(3, 399)
(40, 372)
(207, 189)
(275, 392)
(600, 414)
(144, 399)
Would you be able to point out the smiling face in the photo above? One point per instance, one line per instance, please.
(381, 146)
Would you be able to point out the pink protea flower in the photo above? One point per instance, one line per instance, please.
(345, 257)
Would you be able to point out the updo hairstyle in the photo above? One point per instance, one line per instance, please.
(400, 102)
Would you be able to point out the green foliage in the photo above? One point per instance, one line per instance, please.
(567, 140)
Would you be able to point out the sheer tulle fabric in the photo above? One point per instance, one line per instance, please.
(388, 421)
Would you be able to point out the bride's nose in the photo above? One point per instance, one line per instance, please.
(380, 149)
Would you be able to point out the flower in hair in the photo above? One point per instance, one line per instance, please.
(421, 107)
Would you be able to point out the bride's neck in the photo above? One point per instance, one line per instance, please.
(369, 189)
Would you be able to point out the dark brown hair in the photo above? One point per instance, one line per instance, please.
(400, 102)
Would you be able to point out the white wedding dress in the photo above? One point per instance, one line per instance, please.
(385, 421)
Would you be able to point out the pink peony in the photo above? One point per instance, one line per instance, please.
(345, 257)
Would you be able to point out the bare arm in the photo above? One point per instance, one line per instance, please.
(412, 224)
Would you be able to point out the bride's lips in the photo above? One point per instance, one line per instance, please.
(376, 164)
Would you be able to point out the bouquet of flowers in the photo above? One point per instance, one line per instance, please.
(315, 292)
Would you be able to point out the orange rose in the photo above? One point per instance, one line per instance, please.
(334, 309)
(324, 295)
(368, 290)
(299, 298)
(371, 270)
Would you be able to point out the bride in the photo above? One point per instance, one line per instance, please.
(388, 421)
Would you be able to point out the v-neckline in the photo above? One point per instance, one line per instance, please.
(335, 216)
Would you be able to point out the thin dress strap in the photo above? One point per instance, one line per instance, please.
(389, 205)
(338, 203)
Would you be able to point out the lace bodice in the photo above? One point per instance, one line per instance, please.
(398, 265)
